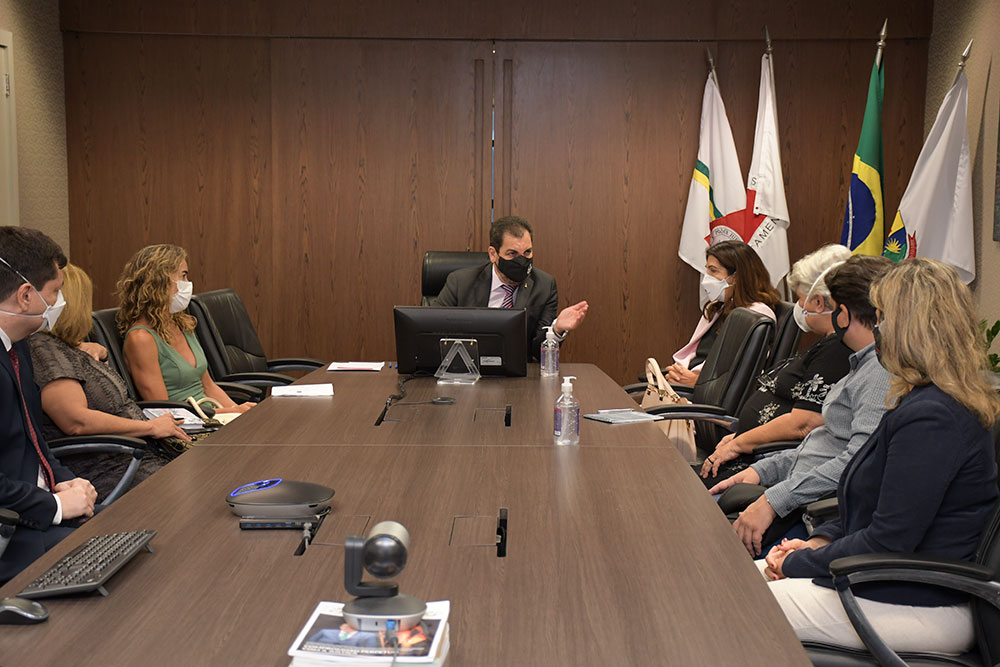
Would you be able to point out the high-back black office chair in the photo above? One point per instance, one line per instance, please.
(726, 378)
(105, 332)
(231, 344)
(438, 264)
(787, 335)
(980, 579)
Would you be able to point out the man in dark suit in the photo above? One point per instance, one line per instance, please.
(48, 497)
(511, 281)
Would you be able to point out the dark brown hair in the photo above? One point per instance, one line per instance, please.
(751, 282)
(509, 224)
(28, 252)
(850, 285)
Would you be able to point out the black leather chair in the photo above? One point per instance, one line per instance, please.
(438, 264)
(787, 335)
(726, 378)
(980, 579)
(232, 346)
(105, 332)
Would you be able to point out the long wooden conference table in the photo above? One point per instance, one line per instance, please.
(616, 555)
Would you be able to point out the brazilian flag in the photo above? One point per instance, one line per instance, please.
(864, 226)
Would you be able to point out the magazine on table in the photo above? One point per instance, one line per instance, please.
(327, 637)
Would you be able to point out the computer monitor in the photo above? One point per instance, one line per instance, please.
(500, 333)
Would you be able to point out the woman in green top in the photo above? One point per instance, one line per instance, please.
(163, 356)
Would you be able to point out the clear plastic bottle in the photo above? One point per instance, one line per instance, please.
(549, 356)
(566, 421)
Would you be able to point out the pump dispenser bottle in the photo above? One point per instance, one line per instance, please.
(566, 420)
(549, 356)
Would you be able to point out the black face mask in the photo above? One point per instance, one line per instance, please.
(517, 269)
(878, 344)
(837, 329)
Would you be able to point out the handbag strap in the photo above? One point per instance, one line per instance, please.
(656, 382)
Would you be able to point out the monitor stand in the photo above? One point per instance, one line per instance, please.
(459, 352)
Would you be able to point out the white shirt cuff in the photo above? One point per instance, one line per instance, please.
(58, 518)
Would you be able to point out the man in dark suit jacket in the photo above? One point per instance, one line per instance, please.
(33, 483)
(511, 281)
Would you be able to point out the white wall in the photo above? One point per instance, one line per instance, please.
(41, 115)
(955, 23)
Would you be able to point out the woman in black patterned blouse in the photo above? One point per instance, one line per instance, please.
(788, 401)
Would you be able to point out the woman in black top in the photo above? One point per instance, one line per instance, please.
(924, 483)
(788, 402)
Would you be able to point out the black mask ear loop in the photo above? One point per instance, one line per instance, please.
(840, 331)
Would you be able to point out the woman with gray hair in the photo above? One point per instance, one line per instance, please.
(788, 402)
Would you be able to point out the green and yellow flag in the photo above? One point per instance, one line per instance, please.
(864, 219)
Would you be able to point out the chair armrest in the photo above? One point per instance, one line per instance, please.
(244, 392)
(636, 388)
(776, 446)
(104, 444)
(163, 404)
(259, 379)
(700, 408)
(696, 411)
(823, 509)
(91, 442)
(891, 564)
(294, 364)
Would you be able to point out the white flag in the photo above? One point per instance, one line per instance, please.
(717, 184)
(935, 214)
(763, 223)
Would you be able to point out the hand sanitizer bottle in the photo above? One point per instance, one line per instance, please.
(566, 422)
(549, 356)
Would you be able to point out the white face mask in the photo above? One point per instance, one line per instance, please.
(51, 312)
(180, 300)
(713, 289)
(799, 312)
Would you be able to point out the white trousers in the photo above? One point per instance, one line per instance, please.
(816, 614)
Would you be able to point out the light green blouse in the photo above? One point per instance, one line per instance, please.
(181, 378)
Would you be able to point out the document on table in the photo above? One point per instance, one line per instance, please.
(356, 366)
(325, 389)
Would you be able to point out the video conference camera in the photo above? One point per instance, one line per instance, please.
(379, 605)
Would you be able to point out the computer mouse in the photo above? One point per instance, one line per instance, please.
(21, 611)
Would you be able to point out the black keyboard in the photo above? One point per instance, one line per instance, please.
(88, 567)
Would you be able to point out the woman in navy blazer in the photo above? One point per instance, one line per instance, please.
(925, 482)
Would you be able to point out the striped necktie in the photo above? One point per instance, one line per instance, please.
(508, 296)
(46, 469)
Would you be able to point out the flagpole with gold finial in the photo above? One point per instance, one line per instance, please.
(881, 44)
(961, 61)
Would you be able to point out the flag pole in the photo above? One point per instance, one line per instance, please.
(769, 51)
(711, 64)
(881, 44)
(961, 61)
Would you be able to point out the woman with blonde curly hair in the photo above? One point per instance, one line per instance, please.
(924, 483)
(161, 351)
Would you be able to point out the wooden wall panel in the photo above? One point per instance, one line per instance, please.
(680, 20)
(374, 164)
(601, 162)
(821, 89)
(312, 174)
(168, 141)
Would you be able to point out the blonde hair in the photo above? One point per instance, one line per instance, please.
(75, 321)
(930, 335)
(144, 290)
